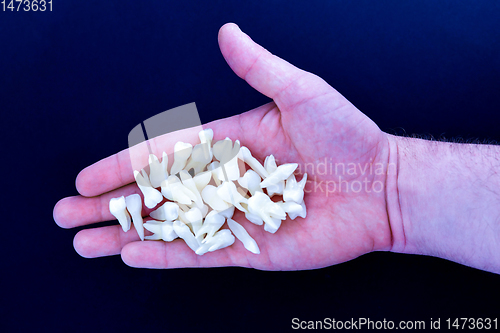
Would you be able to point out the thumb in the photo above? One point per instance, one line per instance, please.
(272, 76)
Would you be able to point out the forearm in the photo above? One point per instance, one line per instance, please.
(446, 201)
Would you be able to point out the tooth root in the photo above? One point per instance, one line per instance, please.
(240, 233)
(134, 206)
(118, 207)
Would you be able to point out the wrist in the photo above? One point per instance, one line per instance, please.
(446, 201)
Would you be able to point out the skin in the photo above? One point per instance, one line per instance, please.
(309, 123)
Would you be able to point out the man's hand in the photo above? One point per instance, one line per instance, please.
(344, 153)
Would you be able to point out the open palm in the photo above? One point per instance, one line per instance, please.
(344, 153)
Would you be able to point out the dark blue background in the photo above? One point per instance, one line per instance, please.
(76, 80)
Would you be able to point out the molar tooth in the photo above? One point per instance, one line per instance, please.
(281, 173)
(118, 207)
(156, 172)
(227, 154)
(182, 151)
(210, 196)
(169, 211)
(151, 195)
(247, 157)
(220, 240)
(134, 206)
(228, 192)
(161, 230)
(183, 231)
(240, 233)
(251, 181)
(269, 211)
(294, 191)
(213, 222)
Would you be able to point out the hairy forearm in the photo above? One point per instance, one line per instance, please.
(444, 201)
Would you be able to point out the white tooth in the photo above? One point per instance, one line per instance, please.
(251, 181)
(182, 151)
(151, 196)
(189, 183)
(185, 233)
(200, 157)
(220, 240)
(247, 157)
(174, 190)
(227, 154)
(270, 164)
(202, 179)
(294, 191)
(210, 196)
(161, 230)
(267, 210)
(277, 188)
(216, 170)
(272, 225)
(302, 213)
(195, 218)
(240, 233)
(156, 172)
(144, 175)
(227, 213)
(255, 219)
(164, 164)
(213, 222)
(134, 206)
(281, 173)
(204, 211)
(228, 192)
(206, 136)
(169, 211)
(118, 207)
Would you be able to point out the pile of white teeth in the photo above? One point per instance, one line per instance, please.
(198, 206)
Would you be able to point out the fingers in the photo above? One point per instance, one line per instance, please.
(267, 73)
(176, 254)
(103, 241)
(78, 211)
(111, 240)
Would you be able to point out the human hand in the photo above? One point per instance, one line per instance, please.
(308, 123)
